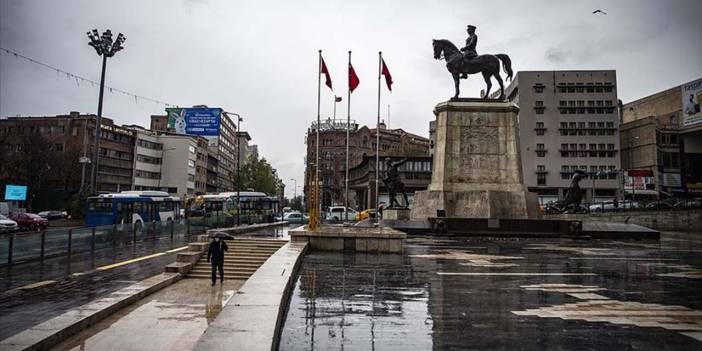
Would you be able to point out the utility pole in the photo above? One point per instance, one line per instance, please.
(105, 47)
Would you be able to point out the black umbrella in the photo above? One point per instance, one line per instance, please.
(222, 235)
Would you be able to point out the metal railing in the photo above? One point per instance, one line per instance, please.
(20, 247)
(628, 206)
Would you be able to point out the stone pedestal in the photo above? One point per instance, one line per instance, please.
(396, 214)
(477, 170)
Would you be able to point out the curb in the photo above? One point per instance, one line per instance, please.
(252, 318)
(49, 333)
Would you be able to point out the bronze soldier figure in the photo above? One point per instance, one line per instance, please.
(469, 51)
(393, 182)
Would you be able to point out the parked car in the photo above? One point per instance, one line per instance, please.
(658, 205)
(296, 217)
(29, 221)
(52, 214)
(336, 213)
(7, 225)
(609, 206)
(369, 213)
(689, 203)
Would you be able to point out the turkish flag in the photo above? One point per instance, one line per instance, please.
(353, 78)
(325, 71)
(388, 78)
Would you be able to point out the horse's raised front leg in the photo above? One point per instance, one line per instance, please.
(456, 82)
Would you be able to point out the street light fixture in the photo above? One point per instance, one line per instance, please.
(294, 190)
(106, 47)
(238, 166)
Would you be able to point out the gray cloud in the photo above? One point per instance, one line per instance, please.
(259, 58)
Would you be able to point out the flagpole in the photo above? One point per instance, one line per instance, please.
(334, 106)
(348, 127)
(377, 140)
(316, 154)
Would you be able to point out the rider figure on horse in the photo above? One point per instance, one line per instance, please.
(469, 50)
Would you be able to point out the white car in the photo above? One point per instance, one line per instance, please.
(336, 213)
(295, 217)
(7, 225)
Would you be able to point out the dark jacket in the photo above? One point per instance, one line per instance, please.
(216, 251)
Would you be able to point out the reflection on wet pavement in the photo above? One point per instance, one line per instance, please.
(171, 319)
(501, 294)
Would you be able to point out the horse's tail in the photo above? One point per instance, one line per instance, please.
(506, 64)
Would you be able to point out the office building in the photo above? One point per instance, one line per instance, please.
(568, 121)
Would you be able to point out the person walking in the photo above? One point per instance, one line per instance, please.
(216, 256)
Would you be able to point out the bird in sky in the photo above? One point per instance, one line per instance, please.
(599, 11)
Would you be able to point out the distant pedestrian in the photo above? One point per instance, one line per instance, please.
(216, 256)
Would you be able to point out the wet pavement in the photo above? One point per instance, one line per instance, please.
(502, 294)
(22, 309)
(61, 267)
(171, 319)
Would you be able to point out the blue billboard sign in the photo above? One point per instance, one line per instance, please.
(200, 121)
(16, 192)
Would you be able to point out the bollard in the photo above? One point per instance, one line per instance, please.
(172, 224)
(153, 229)
(70, 244)
(187, 227)
(134, 233)
(92, 239)
(43, 244)
(9, 249)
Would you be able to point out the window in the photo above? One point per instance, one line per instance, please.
(540, 150)
(191, 164)
(148, 159)
(540, 128)
(538, 88)
(540, 175)
(191, 149)
(58, 147)
(539, 103)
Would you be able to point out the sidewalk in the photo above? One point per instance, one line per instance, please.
(22, 309)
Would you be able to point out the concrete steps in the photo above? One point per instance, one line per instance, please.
(244, 257)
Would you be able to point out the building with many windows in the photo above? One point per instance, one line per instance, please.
(70, 137)
(568, 121)
(659, 136)
(362, 143)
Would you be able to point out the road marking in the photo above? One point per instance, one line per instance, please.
(516, 274)
(36, 285)
(118, 264)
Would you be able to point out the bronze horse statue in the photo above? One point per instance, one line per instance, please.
(488, 65)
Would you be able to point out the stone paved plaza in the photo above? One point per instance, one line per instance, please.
(502, 294)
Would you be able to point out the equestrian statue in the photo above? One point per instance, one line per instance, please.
(461, 63)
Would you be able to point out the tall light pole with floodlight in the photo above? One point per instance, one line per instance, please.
(105, 47)
(294, 190)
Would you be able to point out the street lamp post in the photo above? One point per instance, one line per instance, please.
(105, 47)
(238, 168)
(294, 190)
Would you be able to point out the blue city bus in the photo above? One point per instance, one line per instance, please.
(136, 208)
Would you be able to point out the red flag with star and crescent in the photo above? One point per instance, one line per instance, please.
(327, 77)
(353, 78)
(386, 72)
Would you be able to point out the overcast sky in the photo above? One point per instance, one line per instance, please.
(259, 58)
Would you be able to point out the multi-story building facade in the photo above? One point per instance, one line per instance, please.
(169, 162)
(658, 136)
(362, 143)
(180, 156)
(222, 149)
(71, 137)
(568, 121)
